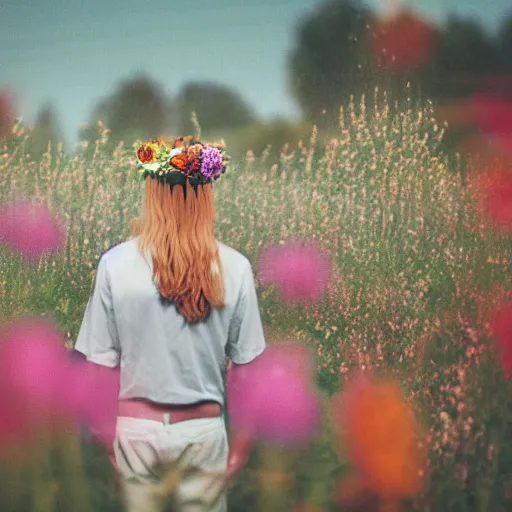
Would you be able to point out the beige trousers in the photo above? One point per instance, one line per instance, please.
(199, 447)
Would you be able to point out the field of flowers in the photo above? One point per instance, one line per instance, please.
(417, 272)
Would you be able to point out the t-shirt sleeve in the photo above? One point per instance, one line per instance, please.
(98, 337)
(246, 339)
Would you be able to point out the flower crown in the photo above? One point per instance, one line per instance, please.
(186, 157)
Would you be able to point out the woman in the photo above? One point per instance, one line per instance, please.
(170, 307)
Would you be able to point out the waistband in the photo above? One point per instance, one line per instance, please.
(168, 413)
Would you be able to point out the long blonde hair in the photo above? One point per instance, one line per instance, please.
(177, 229)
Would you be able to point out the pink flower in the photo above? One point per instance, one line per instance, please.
(34, 360)
(29, 229)
(43, 383)
(299, 269)
(272, 398)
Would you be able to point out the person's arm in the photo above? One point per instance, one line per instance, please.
(98, 343)
(246, 342)
(98, 339)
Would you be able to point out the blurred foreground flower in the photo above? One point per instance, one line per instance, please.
(299, 269)
(491, 185)
(404, 41)
(502, 328)
(34, 361)
(382, 437)
(29, 229)
(273, 398)
(493, 115)
(44, 384)
(498, 197)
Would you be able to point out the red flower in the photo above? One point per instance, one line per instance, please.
(493, 115)
(502, 328)
(145, 154)
(194, 157)
(494, 189)
(404, 41)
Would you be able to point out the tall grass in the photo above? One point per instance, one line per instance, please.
(416, 272)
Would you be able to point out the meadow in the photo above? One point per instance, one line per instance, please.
(417, 272)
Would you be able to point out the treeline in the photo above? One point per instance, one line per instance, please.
(342, 48)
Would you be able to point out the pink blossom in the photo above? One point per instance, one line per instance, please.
(273, 398)
(29, 229)
(44, 383)
(299, 269)
(34, 360)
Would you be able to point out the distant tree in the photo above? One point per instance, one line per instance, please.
(465, 54)
(343, 48)
(217, 107)
(45, 131)
(138, 109)
(505, 43)
(330, 60)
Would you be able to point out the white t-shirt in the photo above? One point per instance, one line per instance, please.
(163, 358)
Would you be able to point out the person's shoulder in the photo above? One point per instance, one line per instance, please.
(232, 258)
(120, 249)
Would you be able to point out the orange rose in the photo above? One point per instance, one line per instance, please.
(146, 154)
(180, 162)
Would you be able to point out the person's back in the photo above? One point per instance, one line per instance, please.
(164, 358)
(169, 307)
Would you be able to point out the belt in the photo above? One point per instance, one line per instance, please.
(168, 413)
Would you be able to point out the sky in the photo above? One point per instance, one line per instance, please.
(75, 52)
